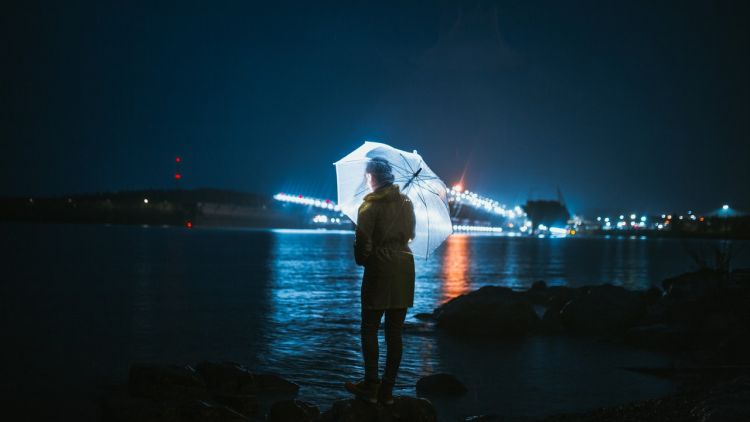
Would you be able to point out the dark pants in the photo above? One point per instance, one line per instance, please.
(394, 323)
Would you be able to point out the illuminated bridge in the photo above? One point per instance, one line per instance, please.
(470, 212)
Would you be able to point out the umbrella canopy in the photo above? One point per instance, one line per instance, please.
(425, 189)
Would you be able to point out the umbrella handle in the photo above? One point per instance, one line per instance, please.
(414, 176)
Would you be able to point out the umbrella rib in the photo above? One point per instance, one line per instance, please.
(361, 191)
(425, 187)
(427, 251)
(411, 170)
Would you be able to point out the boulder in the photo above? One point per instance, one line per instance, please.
(293, 411)
(411, 409)
(424, 316)
(726, 402)
(540, 294)
(555, 298)
(245, 404)
(659, 336)
(123, 408)
(165, 382)
(404, 409)
(440, 384)
(483, 418)
(206, 411)
(227, 378)
(741, 277)
(539, 285)
(490, 310)
(274, 384)
(694, 286)
(604, 309)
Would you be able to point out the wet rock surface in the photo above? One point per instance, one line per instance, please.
(440, 385)
(490, 310)
(707, 311)
(404, 409)
(702, 318)
(229, 392)
(293, 411)
(604, 309)
(723, 400)
(213, 391)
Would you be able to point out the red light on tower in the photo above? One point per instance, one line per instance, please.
(177, 171)
(189, 224)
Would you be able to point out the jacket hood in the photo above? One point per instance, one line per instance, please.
(385, 193)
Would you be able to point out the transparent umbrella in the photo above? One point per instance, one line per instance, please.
(425, 189)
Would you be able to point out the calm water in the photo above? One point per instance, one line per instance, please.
(81, 302)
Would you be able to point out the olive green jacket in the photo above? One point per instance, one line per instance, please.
(385, 224)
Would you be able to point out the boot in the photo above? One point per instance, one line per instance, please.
(364, 390)
(385, 394)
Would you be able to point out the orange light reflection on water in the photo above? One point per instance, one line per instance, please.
(455, 267)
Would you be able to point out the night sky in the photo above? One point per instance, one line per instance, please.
(636, 106)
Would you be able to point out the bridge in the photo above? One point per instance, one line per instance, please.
(470, 212)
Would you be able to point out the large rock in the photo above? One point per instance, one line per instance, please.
(404, 409)
(165, 382)
(554, 300)
(440, 385)
(490, 310)
(483, 418)
(124, 408)
(205, 411)
(694, 286)
(659, 336)
(274, 384)
(245, 404)
(227, 378)
(293, 411)
(725, 402)
(604, 309)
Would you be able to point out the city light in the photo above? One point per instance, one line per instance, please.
(305, 200)
(463, 196)
(557, 231)
(485, 229)
(514, 221)
(320, 219)
(145, 200)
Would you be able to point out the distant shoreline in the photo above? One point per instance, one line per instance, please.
(208, 207)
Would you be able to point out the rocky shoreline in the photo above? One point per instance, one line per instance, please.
(701, 318)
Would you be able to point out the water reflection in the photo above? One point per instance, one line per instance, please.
(288, 302)
(455, 268)
(314, 310)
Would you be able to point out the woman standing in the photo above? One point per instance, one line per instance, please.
(385, 225)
